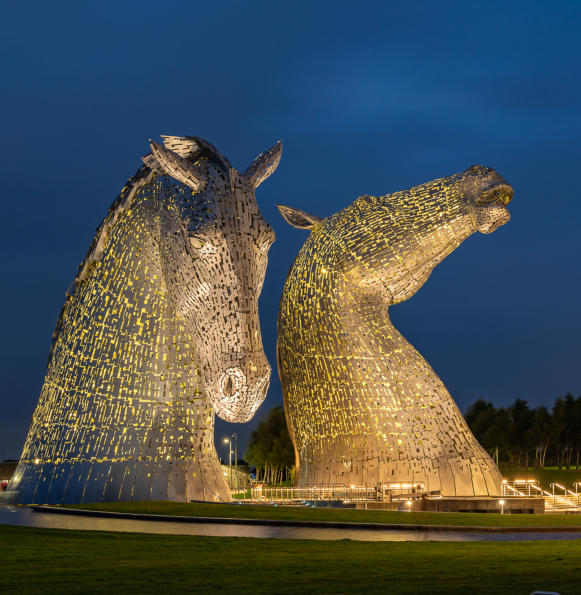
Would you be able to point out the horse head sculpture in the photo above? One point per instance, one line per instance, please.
(363, 406)
(159, 332)
(214, 246)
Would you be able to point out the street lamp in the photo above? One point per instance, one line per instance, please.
(501, 502)
(235, 438)
(227, 441)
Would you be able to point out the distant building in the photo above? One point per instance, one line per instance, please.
(7, 469)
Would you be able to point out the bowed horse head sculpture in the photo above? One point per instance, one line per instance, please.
(159, 331)
(214, 259)
(363, 405)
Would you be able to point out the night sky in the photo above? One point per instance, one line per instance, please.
(368, 98)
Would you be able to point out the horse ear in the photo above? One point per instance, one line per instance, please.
(165, 161)
(264, 165)
(183, 146)
(297, 218)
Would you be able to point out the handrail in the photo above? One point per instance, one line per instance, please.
(395, 492)
(382, 492)
(565, 489)
(568, 500)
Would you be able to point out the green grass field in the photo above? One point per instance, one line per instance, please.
(337, 514)
(60, 561)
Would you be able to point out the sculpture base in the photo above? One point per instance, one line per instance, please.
(511, 505)
(72, 482)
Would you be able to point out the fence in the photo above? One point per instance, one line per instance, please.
(559, 499)
(383, 492)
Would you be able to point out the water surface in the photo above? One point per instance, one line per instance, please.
(10, 515)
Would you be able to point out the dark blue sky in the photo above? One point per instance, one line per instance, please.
(368, 97)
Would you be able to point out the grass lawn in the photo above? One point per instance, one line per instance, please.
(61, 561)
(337, 514)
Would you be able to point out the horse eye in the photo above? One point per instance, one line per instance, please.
(196, 242)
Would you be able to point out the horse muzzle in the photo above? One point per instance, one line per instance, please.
(489, 208)
(237, 393)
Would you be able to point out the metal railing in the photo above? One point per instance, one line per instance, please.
(382, 493)
(559, 499)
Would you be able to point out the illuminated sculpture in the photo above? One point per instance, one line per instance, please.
(363, 406)
(159, 330)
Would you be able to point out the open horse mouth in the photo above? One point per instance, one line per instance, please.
(499, 194)
(489, 208)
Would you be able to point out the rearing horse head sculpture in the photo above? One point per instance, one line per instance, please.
(363, 406)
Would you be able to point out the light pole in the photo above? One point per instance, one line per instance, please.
(501, 502)
(235, 438)
(227, 441)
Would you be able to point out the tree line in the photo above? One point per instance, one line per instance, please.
(521, 436)
(270, 449)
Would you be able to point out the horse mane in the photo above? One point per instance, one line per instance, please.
(190, 147)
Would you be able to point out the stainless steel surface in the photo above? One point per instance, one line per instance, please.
(365, 409)
(159, 332)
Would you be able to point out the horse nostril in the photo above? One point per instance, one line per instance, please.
(232, 382)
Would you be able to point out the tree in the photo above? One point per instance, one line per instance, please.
(270, 448)
(566, 428)
(479, 417)
(519, 440)
(520, 432)
(540, 433)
